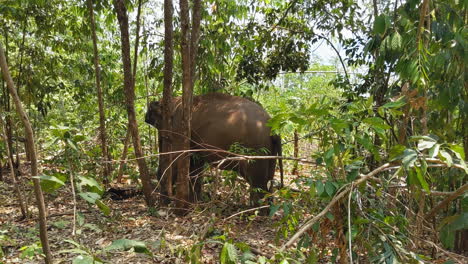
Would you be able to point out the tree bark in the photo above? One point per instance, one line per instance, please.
(32, 151)
(102, 115)
(129, 89)
(189, 47)
(137, 41)
(166, 133)
(183, 164)
(296, 152)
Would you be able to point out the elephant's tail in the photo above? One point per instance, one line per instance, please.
(278, 151)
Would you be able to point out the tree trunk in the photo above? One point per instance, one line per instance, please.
(102, 116)
(189, 48)
(165, 133)
(121, 11)
(183, 164)
(32, 152)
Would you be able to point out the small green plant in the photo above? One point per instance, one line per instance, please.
(85, 254)
(31, 251)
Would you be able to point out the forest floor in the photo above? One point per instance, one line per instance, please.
(169, 238)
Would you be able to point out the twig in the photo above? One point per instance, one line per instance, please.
(245, 211)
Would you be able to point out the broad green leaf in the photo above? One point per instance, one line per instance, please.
(49, 178)
(78, 138)
(396, 152)
(228, 254)
(446, 156)
(127, 244)
(51, 183)
(409, 157)
(379, 25)
(90, 197)
(421, 179)
(274, 208)
(338, 124)
(426, 143)
(330, 188)
(376, 123)
(395, 104)
(103, 207)
(91, 183)
(434, 151)
(320, 187)
(458, 150)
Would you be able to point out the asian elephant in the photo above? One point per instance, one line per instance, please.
(220, 121)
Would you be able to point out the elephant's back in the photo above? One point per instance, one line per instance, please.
(221, 120)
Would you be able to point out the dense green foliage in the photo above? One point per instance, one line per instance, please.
(397, 94)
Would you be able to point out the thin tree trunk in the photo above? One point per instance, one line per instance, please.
(102, 115)
(165, 133)
(183, 164)
(123, 160)
(31, 149)
(189, 47)
(23, 207)
(296, 152)
(137, 41)
(121, 11)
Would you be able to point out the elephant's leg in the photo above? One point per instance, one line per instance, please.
(196, 179)
(258, 176)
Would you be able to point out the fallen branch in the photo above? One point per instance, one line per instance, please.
(446, 201)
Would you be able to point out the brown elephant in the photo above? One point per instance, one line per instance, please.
(218, 122)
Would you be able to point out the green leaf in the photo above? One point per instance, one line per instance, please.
(396, 152)
(90, 197)
(426, 143)
(338, 124)
(458, 150)
(422, 180)
(376, 123)
(274, 208)
(49, 178)
(103, 207)
(446, 156)
(93, 185)
(320, 187)
(409, 157)
(228, 254)
(396, 104)
(434, 151)
(330, 188)
(379, 25)
(51, 183)
(127, 244)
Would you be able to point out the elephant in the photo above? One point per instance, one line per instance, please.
(221, 121)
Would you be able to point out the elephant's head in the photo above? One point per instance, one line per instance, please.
(154, 114)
